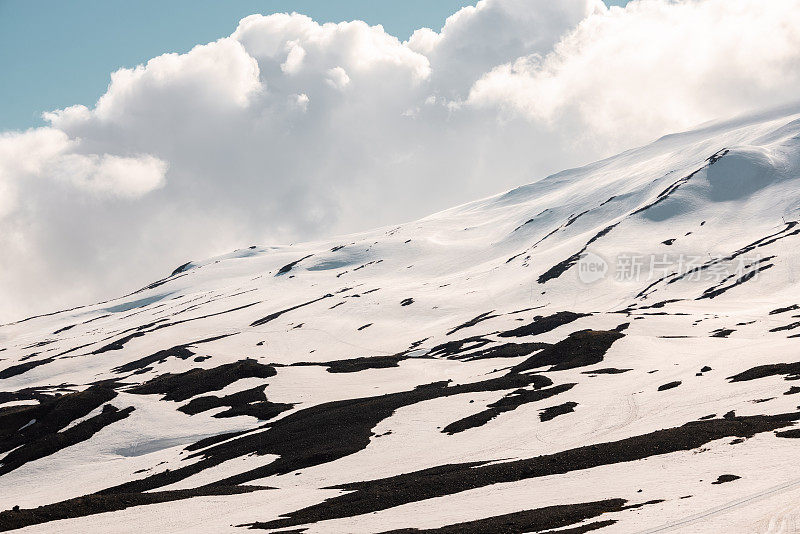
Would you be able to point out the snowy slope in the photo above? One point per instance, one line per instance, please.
(589, 352)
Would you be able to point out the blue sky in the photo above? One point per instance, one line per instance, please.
(55, 54)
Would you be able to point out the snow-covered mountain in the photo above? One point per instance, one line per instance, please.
(610, 348)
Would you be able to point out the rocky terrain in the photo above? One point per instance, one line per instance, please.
(612, 348)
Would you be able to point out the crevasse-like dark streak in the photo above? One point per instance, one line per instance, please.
(675, 185)
(719, 290)
(20, 368)
(538, 520)
(508, 403)
(96, 503)
(354, 365)
(181, 352)
(562, 267)
(569, 222)
(790, 326)
(762, 242)
(506, 350)
(158, 325)
(472, 322)
(289, 266)
(273, 316)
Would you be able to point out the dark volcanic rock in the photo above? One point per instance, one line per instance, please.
(554, 411)
(506, 350)
(542, 324)
(321, 433)
(606, 371)
(183, 386)
(510, 402)
(586, 347)
(20, 368)
(789, 370)
(472, 322)
(273, 316)
(289, 266)
(251, 402)
(381, 494)
(354, 365)
(538, 520)
(31, 432)
(97, 503)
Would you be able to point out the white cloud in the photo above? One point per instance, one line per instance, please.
(655, 67)
(294, 59)
(289, 129)
(111, 175)
(338, 78)
(476, 39)
(48, 154)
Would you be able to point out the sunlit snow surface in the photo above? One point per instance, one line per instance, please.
(470, 358)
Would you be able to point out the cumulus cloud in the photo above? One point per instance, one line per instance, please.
(48, 154)
(655, 66)
(290, 129)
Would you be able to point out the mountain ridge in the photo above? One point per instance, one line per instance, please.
(611, 341)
